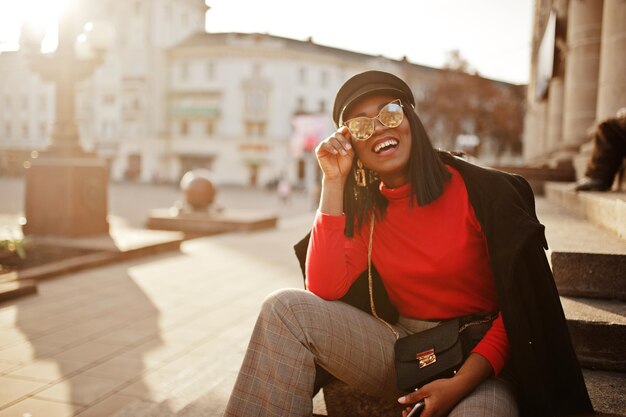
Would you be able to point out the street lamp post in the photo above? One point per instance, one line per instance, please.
(66, 187)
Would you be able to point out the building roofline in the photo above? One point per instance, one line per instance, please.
(200, 39)
(219, 38)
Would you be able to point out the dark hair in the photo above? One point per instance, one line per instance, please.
(427, 176)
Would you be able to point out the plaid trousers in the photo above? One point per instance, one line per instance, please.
(296, 330)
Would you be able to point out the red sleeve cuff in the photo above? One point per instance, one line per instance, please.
(330, 222)
(493, 356)
(495, 346)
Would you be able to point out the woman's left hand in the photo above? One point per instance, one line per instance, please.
(440, 397)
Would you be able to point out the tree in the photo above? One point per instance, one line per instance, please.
(463, 102)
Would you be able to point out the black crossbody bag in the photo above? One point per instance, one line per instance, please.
(438, 352)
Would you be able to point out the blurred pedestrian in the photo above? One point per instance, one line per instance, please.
(284, 189)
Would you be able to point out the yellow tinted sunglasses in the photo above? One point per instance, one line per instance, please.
(362, 128)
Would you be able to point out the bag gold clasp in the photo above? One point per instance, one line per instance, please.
(426, 358)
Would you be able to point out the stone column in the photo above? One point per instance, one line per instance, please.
(555, 114)
(584, 27)
(612, 84)
(533, 131)
(534, 120)
(543, 117)
(554, 117)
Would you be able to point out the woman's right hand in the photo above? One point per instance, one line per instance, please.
(335, 155)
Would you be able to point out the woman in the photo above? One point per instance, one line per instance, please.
(447, 239)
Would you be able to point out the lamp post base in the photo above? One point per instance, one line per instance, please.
(66, 196)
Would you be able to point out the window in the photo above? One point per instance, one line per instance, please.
(256, 101)
(301, 169)
(42, 130)
(25, 103)
(210, 70)
(137, 8)
(136, 104)
(184, 127)
(301, 104)
(108, 99)
(322, 107)
(42, 103)
(324, 79)
(210, 127)
(302, 75)
(256, 129)
(137, 33)
(25, 130)
(7, 130)
(184, 71)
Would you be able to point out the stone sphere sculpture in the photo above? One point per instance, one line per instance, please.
(198, 189)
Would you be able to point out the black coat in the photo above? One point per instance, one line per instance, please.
(542, 359)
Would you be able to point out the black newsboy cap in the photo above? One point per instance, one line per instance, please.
(367, 83)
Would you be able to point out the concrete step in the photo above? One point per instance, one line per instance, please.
(598, 332)
(587, 260)
(559, 174)
(606, 209)
(607, 391)
(594, 275)
(10, 290)
(537, 177)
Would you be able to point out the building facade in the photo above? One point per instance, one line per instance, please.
(234, 102)
(27, 112)
(578, 76)
(122, 103)
(171, 97)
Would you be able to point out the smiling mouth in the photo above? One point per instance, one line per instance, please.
(386, 145)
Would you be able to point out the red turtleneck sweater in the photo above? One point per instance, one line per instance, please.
(433, 260)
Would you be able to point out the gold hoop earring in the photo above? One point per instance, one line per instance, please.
(359, 174)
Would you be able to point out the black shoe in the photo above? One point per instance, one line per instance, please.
(593, 184)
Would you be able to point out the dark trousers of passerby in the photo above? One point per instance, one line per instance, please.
(609, 150)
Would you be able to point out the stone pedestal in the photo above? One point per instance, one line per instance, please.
(208, 223)
(66, 197)
(612, 85)
(584, 26)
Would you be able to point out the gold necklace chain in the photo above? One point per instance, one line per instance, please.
(369, 279)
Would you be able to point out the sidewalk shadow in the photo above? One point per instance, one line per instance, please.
(95, 342)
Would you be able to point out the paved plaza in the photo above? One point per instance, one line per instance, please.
(131, 202)
(162, 334)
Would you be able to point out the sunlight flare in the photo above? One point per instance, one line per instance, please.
(40, 17)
